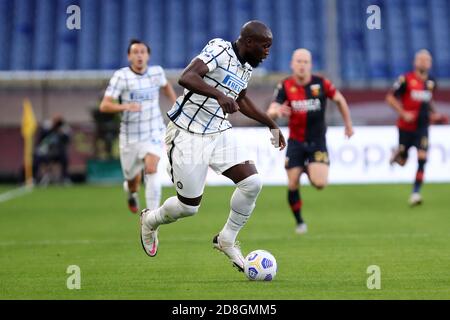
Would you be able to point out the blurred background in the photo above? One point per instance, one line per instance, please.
(64, 72)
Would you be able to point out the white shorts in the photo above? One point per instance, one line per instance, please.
(190, 155)
(132, 156)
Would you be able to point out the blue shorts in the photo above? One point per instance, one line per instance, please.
(300, 154)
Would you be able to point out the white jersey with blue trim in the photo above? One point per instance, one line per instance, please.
(203, 115)
(128, 86)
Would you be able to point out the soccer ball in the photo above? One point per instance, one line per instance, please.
(260, 265)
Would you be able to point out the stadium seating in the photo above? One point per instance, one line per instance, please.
(35, 36)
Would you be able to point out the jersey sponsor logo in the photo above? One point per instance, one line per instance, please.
(306, 105)
(233, 83)
(421, 95)
(315, 90)
(141, 95)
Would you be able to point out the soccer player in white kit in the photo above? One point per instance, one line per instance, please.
(134, 91)
(199, 137)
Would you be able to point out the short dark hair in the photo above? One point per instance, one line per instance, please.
(134, 41)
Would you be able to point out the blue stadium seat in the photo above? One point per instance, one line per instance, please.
(43, 50)
(418, 20)
(398, 33)
(351, 30)
(154, 32)
(310, 29)
(88, 45)
(197, 20)
(377, 63)
(440, 37)
(66, 39)
(6, 7)
(262, 10)
(284, 33)
(219, 19)
(175, 46)
(132, 25)
(22, 33)
(110, 46)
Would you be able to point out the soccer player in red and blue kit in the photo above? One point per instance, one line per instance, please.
(411, 97)
(302, 99)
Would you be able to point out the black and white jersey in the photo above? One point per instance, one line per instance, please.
(128, 86)
(203, 115)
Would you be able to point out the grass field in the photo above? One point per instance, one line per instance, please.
(350, 228)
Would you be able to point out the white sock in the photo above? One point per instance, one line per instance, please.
(152, 190)
(242, 205)
(171, 210)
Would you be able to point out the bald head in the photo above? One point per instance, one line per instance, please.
(255, 29)
(422, 61)
(254, 42)
(301, 63)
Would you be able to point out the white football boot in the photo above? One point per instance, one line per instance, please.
(415, 199)
(232, 251)
(302, 228)
(149, 236)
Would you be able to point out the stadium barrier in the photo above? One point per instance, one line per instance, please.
(362, 159)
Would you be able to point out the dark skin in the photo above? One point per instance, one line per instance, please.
(253, 46)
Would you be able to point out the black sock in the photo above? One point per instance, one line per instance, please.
(419, 176)
(295, 202)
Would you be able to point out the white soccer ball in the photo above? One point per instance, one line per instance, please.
(260, 265)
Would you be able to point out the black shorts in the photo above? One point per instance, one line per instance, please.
(408, 139)
(300, 154)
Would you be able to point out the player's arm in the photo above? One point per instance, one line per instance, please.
(169, 92)
(108, 105)
(192, 79)
(392, 100)
(279, 108)
(342, 104)
(248, 108)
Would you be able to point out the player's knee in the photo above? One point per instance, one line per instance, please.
(319, 184)
(187, 210)
(251, 185)
(150, 169)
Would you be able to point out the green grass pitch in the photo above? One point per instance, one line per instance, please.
(350, 228)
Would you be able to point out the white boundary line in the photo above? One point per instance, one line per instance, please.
(15, 193)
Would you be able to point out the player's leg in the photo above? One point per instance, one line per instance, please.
(294, 164)
(188, 175)
(152, 181)
(318, 174)
(318, 164)
(131, 169)
(400, 154)
(294, 197)
(243, 201)
(422, 146)
(230, 159)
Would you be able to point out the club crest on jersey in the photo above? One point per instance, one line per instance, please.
(315, 90)
(293, 89)
(233, 83)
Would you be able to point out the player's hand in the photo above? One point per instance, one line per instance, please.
(283, 111)
(229, 105)
(408, 116)
(349, 131)
(277, 139)
(439, 118)
(133, 107)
